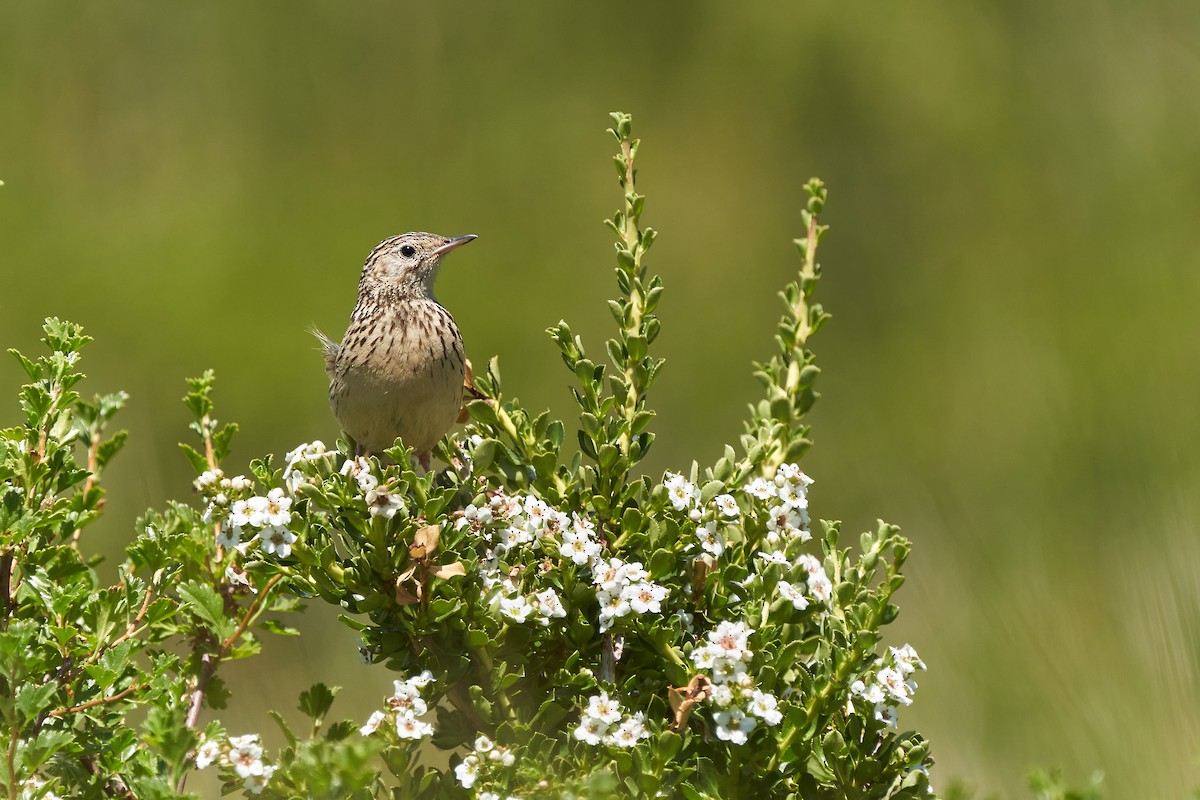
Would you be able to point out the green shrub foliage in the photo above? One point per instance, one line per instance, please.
(558, 622)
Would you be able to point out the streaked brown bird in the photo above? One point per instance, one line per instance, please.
(399, 369)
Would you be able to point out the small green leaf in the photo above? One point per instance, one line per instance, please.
(316, 700)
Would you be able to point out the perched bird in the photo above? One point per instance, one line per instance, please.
(399, 369)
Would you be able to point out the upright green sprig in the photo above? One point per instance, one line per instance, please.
(776, 433)
(635, 311)
(613, 421)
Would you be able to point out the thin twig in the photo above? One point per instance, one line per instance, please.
(99, 701)
(90, 483)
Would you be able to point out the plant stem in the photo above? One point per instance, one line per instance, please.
(485, 657)
(90, 483)
(631, 238)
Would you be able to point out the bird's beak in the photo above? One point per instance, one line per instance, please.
(451, 244)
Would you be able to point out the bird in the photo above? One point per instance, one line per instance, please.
(399, 370)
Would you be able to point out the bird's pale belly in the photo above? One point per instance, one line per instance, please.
(417, 401)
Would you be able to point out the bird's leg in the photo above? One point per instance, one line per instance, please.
(423, 458)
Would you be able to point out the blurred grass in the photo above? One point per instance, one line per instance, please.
(1011, 374)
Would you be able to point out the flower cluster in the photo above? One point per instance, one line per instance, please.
(741, 705)
(244, 754)
(604, 722)
(622, 587)
(404, 709)
(889, 685)
(33, 788)
(507, 523)
(381, 501)
(297, 463)
(245, 517)
(485, 758)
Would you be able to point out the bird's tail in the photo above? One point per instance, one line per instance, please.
(329, 348)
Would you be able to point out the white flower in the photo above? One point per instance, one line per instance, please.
(293, 478)
(603, 708)
(537, 514)
(242, 514)
(632, 571)
(372, 723)
(874, 694)
(475, 517)
(467, 771)
(792, 594)
(240, 483)
(256, 782)
(733, 725)
(790, 473)
(892, 681)
(606, 575)
(383, 503)
(727, 505)
(612, 605)
(793, 496)
(731, 637)
(406, 700)
(305, 452)
(774, 557)
(235, 576)
(207, 479)
(820, 587)
(644, 596)
(516, 608)
(810, 564)
(591, 730)
(549, 605)
(682, 493)
(704, 657)
(906, 658)
(207, 753)
(761, 488)
(422, 680)
(631, 730)
(277, 541)
(784, 520)
(764, 706)
(710, 538)
(483, 744)
(505, 506)
(886, 714)
(580, 549)
(230, 536)
(245, 755)
(277, 506)
(409, 727)
(722, 695)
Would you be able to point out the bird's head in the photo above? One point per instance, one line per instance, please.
(408, 264)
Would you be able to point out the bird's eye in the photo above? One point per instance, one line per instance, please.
(408, 251)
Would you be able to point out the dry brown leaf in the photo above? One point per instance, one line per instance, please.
(683, 699)
(450, 570)
(425, 542)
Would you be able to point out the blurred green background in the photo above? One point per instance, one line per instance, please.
(1011, 375)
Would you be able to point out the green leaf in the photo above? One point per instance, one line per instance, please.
(203, 601)
(316, 700)
(196, 458)
(33, 370)
(288, 734)
(33, 700)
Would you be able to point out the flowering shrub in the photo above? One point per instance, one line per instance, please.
(559, 623)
